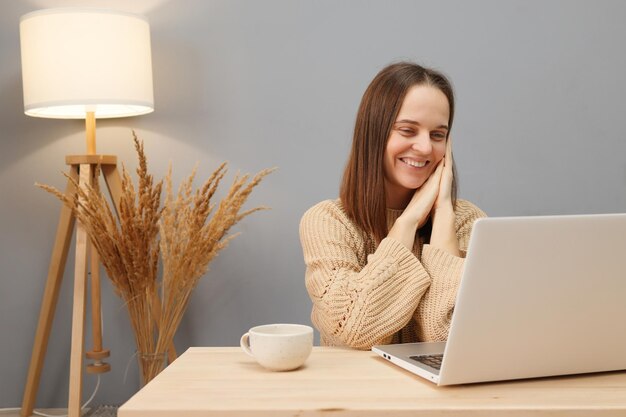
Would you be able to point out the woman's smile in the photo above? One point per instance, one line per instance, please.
(413, 163)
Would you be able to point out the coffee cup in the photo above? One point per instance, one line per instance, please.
(279, 347)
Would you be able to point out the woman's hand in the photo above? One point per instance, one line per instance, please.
(417, 211)
(424, 199)
(444, 197)
(443, 235)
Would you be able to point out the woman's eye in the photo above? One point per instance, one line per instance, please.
(406, 132)
(438, 136)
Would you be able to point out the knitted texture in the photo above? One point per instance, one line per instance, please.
(364, 295)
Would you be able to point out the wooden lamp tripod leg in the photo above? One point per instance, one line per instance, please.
(97, 353)
(50, 297)
(78, 312)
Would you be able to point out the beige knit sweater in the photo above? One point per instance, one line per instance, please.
(365, 295)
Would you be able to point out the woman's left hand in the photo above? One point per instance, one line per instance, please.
(444, 198)
(444, 233)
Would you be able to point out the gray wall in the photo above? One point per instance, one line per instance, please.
(276, 83)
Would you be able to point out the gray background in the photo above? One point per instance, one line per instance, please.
(277, 83)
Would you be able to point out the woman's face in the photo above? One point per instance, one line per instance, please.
(416, 144)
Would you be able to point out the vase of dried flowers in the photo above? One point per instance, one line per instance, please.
(184, 233)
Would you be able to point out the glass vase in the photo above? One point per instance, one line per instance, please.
(150, 365)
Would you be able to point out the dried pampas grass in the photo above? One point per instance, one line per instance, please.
(185, 234)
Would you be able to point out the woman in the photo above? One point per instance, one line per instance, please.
(384, 260)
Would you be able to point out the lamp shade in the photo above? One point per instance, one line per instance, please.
(77, 60)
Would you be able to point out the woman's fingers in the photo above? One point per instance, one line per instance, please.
(445, 186)
(448, 158)
(431, 186)
(448, 155)
(423, 200)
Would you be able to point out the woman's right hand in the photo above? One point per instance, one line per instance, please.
(424, 198)
(417, 211)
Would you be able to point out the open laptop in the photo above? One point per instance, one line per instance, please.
(540, 296)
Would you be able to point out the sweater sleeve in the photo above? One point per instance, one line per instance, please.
(357, 302)
(434, 312)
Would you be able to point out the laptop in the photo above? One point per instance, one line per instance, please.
(539, 296)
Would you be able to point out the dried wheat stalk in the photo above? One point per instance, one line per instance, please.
(186, 234)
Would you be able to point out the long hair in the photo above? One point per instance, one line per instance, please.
(362, 191)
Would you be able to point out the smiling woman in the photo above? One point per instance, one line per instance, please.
(385, 259)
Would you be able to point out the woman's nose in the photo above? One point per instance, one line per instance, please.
(422, 144)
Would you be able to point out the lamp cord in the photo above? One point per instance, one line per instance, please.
(93, 395)
(39, 413)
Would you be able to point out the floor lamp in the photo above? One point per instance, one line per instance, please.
(81, 64)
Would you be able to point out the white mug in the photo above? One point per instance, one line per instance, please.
(279, 347)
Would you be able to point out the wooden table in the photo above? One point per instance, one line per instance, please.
(340, 382)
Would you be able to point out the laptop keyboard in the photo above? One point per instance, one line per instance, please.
(434, 361)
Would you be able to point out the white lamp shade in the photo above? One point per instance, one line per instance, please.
(78, 60)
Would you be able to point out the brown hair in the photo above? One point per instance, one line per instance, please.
(362, 190)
